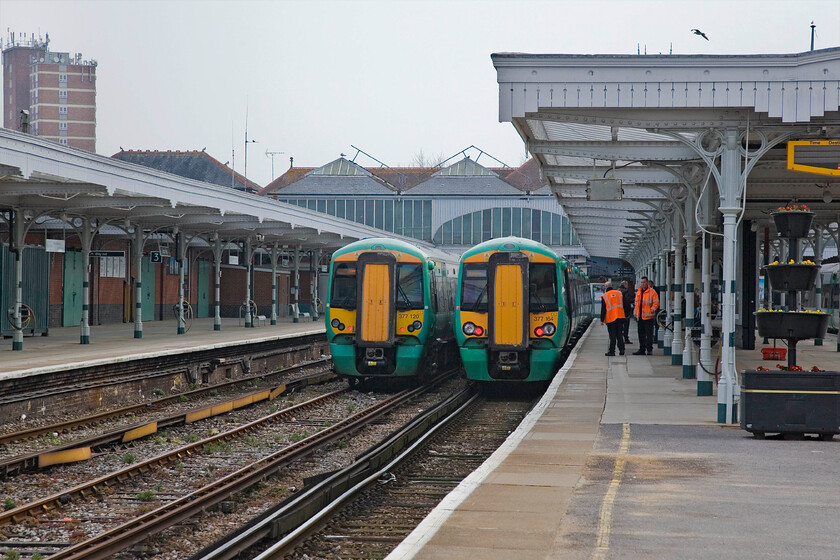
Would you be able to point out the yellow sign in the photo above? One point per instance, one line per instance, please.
(821, 157)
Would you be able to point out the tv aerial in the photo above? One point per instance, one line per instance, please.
(271, 155)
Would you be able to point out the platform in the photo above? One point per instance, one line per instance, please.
(116, 343)
(621, 459)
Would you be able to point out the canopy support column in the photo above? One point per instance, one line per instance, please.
(87, 239)
(297, 257)
(217, 285)
(138, 283)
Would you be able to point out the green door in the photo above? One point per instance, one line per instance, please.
(73, 278)
(147, 305)
(202, 304)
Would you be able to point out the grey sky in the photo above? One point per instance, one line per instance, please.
(390, 77)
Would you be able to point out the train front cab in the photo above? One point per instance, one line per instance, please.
(376, 320)
(512, 327)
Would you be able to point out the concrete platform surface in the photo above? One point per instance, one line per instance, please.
(116, 343)
(622, 460)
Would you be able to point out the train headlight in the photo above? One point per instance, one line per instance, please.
(549, 329)
(469, 329)
(417, 325)
(335, 323)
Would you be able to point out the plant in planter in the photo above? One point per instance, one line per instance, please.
(791, 400)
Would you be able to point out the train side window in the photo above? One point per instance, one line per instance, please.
(344, 286)
(543, 289)
(474, 287)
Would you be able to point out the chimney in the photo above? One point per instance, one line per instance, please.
(291, 162)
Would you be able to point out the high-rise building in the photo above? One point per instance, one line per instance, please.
(49, 94)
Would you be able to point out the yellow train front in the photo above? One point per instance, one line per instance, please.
(389, 310)
(519, 309)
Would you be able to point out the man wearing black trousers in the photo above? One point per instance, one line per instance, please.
(612, 313)
(645, 308)
(628, 296)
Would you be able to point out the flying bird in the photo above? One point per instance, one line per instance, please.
(698, 32)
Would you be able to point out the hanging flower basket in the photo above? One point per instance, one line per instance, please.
(795, 222)
(799, 325)
(792, 277)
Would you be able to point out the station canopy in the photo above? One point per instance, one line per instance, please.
(58, 186)
(642, 132)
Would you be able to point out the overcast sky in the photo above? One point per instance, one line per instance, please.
(393, 78)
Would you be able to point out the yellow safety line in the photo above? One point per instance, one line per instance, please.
(605, 523)
(789, 391)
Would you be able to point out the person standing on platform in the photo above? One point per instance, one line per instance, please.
(612, 313)
(645, 308)
(628, 297)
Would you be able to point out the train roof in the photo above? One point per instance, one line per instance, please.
(381, 243)
(510, 244)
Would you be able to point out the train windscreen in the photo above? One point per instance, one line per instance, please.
(474, 287)
(543, 287)
(409, 286)
(344, 286)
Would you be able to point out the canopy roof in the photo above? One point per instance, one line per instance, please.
(656, 123)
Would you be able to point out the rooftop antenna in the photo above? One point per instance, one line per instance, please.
(271, 155)
(812, 34)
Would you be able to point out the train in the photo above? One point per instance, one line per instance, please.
(389, 310)
(520, 307)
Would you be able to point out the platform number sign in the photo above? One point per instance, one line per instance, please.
(155, 256)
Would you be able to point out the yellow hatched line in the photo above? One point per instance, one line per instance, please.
(605, 523)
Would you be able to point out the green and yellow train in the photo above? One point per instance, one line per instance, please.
(389, 310)
(520, 308)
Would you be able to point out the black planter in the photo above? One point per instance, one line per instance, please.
(787, 324)
(790, 402)
(793, 223)
(792, 277)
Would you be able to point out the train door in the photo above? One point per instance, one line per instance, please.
(147, 277)
(72, 299)
(508, 291)
(202, 303)
(375, 289)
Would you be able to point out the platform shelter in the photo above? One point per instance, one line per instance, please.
(659, 159)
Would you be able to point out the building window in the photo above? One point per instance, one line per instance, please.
(62, 94)
(369, 213)
(379, 214)
(62, 126)
(62, 78)
(427, 220)
(62, 110)
(398, 217)
(62, 141)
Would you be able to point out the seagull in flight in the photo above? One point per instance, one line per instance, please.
(698, 32)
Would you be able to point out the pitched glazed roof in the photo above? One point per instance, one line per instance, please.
(465, 177)
(193, 164)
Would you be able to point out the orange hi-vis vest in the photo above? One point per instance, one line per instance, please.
(647, 304)
(615, 306)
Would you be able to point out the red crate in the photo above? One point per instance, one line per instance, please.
(774, 353)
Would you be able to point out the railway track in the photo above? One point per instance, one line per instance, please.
(365, 510)
(95, 386)
(181, 508)
(387, 509)
(81, 449)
